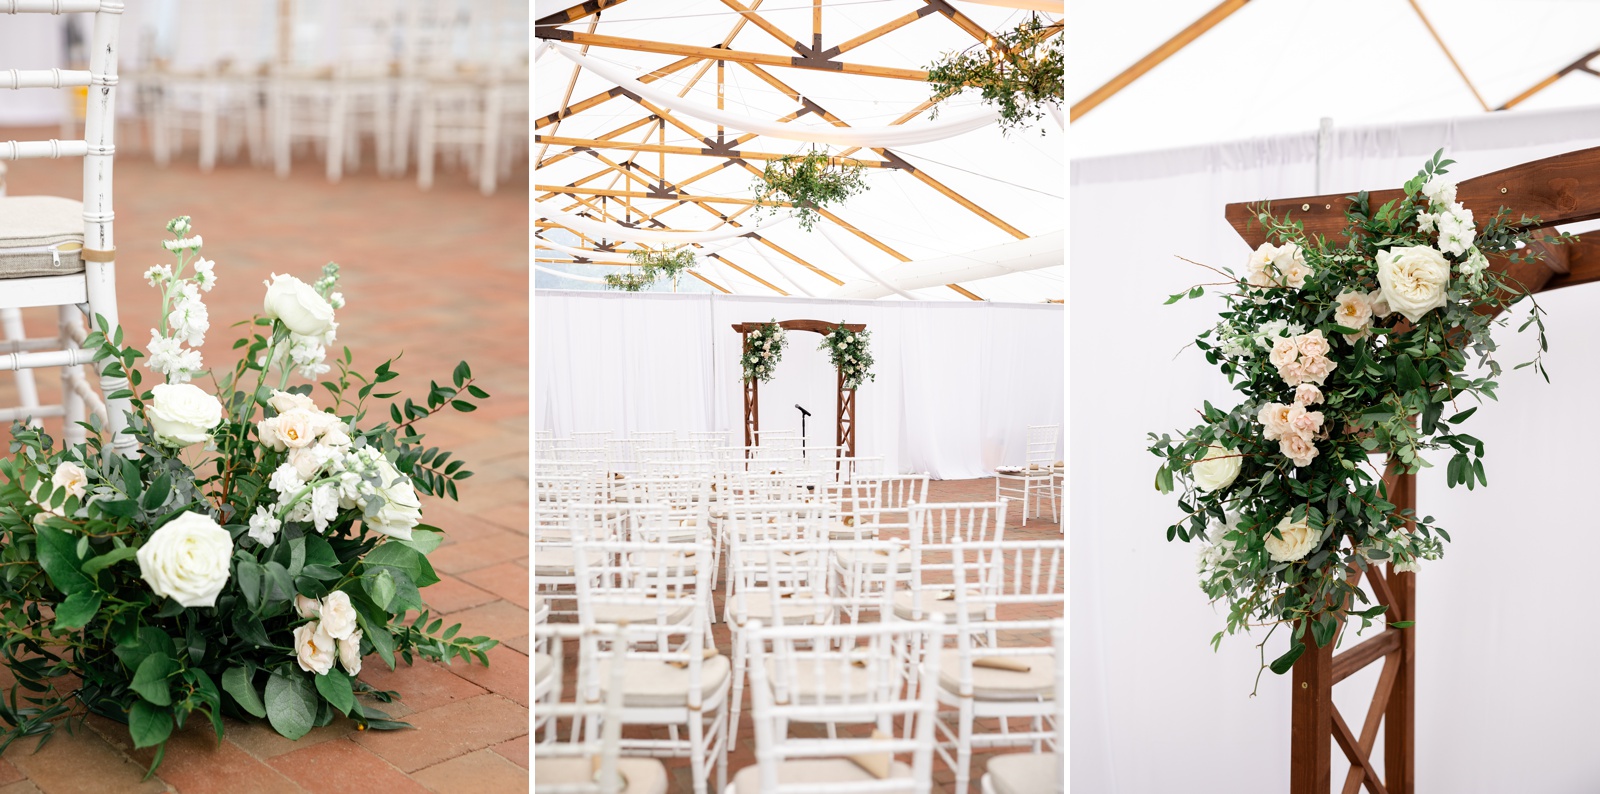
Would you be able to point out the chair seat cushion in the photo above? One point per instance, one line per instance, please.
(666, 611)
(853, 686)
(543, 665)
(932, 604)
(1025, 773)
(642, 775)
(40, 236)
(652, 683)
(868, 560)
(560, 561)
(1039, 683)
(757, 605)
(813, 772)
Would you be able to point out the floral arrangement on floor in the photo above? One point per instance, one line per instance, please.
(1341, 351)
(1018, 71)
(807, 182)
(763, 348)
(850, 354)
(258, 547)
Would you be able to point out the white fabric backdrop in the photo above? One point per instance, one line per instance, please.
(1153, 708)
(957, 383)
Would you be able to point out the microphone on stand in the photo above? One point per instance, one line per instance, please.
(803, 414)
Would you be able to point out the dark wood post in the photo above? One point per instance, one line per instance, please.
(845, 438)
(752, 397)
(1400, 719)
(1311, 723)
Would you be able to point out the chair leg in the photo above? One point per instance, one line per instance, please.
(488, 168)
(425, 144)
(208, 126)
(964, 747)
(72, 403)
(697, 760)
(338, 117)
(27, 386)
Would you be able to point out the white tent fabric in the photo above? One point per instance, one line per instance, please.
(947, 400)
(871, 272)
(598, 257)
(1019, 256)
(835, 136)
(782, 270)
(1144, 679)
(612, 231)
(573, 276)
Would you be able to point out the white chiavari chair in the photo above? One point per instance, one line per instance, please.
(559, 530)
(59, 252)
(595, 764)
(1039, 772)
(470, 92)
(862, 659)
(1001, 587)
(1036, 479)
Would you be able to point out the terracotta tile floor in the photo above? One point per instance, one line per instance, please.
(743, 751)
(441, 276)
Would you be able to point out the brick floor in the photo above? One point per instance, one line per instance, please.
(440, 276)
(743, 752)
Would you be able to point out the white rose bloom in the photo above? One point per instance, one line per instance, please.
(1353, 310)
(1440, 190)
(264, 527)
(335, 437)
(1217, 469)
(187, 560)
(313, 648)
(72, 477)
(298, 428)
(401, 510)
(1307, 394)
(1456, 231)
(294, 303)
(1290, 262)
(350, 653)
(182, 414)
(1379, 304)
(338, 616)
(1413, 280)
(1298, 540)
(307, 607)
(306, 462)
(286, 401)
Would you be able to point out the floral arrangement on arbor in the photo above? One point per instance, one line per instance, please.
(652, 266)
(1019, 72)
(807, 182)
(763, 349)
(850, 354)
(1341, 351)
(254, 551)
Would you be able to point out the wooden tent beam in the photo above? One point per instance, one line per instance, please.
(767, 25)
(1186, 36)
(1439, 40)
(614, 92)
(666, 48)
(668, 196)
(572, 82)
(878, 32)
(698, 151)
(1579, 65)
(576, 12)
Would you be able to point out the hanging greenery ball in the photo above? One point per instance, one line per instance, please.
(1020, 75)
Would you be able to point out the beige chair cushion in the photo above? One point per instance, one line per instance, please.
(812, 771)
(932, 604)
(643, 775)
(799, 610)
(990, 684)
(652, 683)
(804, 689)
(29, 225)
(873, 561)
(670, 611)
(560, 561)
(1025, 773)
(543, 664)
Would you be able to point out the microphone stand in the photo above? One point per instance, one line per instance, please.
(803, 414)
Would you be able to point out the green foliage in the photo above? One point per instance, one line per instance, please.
(652, 267)
(763, 349)
(850, 353)
(84, 633)
(809, 182)
(1396, 391)
(1019, 83)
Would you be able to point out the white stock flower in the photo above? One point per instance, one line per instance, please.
(350, 653)
(1408, 566)
(324, 506)
(171, 359)
(182, 414)
(336, 300)
(401, 509)
(72, 477)
(189, 319)
(1298, 538)
(184, 243)
(338, 615)
(187, 560)
(264, 526)
(1217, 469)
(286, 480)
(298, 306)
(313, 648)
(1413, 280)
(205, 274)
(1456, 231)
(1440, 190)
(1474, 266)
(158, 274)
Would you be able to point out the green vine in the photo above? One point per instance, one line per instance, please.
(850, 354)
(1019, 76)
(808, 182)
(652, 267)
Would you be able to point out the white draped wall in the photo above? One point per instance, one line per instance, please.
(1505, 700)
(957, 382)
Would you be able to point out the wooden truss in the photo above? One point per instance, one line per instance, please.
(1556, 190)
(845, 426)
(621, 151)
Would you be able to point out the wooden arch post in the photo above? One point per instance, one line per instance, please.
(1556, 190)
(845, 426)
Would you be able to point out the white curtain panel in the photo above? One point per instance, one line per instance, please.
(1500, 682)
(957, 383)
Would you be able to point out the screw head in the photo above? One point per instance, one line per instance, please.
(1327, 206)
(1305, 207)
(1502, 190)
(1305, 685)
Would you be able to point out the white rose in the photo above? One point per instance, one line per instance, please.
(1307, 394)
(71, 476)
(1298, 540)
(1379, 304)
(294, 303)
(187, 560)
(285, 401)
(338, 616)
(306, 462)
(1352, 310)
(335, 437)
(1290, 262)
(182, 414)
(1297, 448)
(298, 428)
(1274, 419)
(1217, 469)
(350, 653)
(313, 648)
(307, 607)
(401, 510)
(1413, 280)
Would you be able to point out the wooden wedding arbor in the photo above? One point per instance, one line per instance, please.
(1557, 190)
(845, 426)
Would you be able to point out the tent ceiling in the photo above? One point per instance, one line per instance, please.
(1279, 66)
(973, 191)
